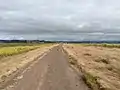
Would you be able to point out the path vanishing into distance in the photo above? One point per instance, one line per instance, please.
(52, 72)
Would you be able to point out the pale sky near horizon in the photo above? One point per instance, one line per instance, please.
(60, 19)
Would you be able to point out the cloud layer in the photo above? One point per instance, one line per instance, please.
(60, 19)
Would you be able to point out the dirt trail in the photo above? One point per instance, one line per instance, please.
(52, 72)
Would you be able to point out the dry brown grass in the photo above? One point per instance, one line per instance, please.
(100, 65)
(11, 64)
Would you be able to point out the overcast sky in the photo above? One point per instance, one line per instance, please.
(60, 19)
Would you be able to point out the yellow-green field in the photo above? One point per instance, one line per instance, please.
(16, 48)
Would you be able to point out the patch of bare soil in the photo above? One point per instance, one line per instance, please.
(100, 65)
(11, 64)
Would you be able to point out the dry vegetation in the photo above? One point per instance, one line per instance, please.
(16, 48)
(20, 57)
(100, 64)
(8, 51)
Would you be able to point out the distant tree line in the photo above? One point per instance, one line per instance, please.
(45, 41)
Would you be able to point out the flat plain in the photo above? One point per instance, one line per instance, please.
(59, 66)
(100, 64)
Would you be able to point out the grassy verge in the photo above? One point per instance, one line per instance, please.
(99, 66)
(88, 78)
(91, 81)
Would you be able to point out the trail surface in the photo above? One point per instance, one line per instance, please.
(52, 72)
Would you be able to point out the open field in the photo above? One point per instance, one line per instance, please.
(15, 57)
(99, 63)
(102, 45)
(8, 49)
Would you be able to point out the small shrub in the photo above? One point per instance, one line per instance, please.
(72, 60)
(110, 68)
(103, 60)
(106, 61)
(3, 77)
(87, 54)
(91, 81)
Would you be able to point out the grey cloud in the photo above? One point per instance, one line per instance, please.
(60, 19)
